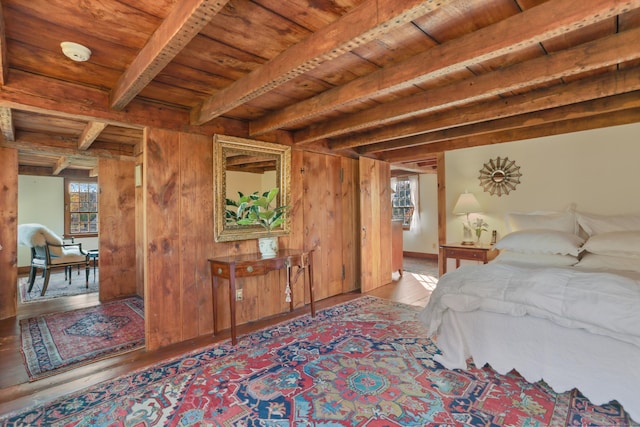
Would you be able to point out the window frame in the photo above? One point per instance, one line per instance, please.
(67, 207)
(398, 199)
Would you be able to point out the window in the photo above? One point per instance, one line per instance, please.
(403, 201)
(81, 208)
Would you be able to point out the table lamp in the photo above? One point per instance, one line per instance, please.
(466, 204)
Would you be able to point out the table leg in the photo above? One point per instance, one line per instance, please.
(309, 267)
(232, 301)
(214, 287)
(87, 269)
(289, 287)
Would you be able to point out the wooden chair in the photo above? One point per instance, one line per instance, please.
(49, 251)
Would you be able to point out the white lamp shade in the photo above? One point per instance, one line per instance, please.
(467, 203)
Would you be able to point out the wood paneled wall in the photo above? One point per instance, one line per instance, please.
(375, 217)
(350, 224)
(8, 231)
(442, 211)
(323, 220)
(177, 197)
(139, 213)
(168, 224)
(117, 240)
(166, 321)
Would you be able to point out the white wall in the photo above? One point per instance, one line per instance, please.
(596, 170)
(41, 200)
(248, 183)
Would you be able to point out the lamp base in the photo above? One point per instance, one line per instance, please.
(467, 237)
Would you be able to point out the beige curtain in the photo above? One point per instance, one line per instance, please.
(414, 182)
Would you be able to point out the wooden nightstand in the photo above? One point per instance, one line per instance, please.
(484, 253)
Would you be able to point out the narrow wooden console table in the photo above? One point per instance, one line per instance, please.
(256, 265)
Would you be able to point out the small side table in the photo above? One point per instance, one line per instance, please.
(250, 265)
(458, 251)
(93, 255)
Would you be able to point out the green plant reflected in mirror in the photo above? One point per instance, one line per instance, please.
(249, 170)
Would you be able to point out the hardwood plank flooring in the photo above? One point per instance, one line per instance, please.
(16, 392)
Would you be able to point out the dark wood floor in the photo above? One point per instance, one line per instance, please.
(16, 392)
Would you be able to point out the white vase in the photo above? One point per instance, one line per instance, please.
(268, 246)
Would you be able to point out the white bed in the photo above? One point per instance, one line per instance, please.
(533, 311)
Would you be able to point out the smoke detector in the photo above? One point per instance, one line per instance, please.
(75, 51)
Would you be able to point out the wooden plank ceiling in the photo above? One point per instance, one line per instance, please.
(394, 80)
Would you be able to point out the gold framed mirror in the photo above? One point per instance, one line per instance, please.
(500, 176)
(248, 166)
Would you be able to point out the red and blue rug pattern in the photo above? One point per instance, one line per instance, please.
(55, 342)
(363, 363)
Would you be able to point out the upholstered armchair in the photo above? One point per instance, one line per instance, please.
(49, 251)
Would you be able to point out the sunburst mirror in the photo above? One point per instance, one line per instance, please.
(500, 176)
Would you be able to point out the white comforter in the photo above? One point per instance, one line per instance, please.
(601, 303)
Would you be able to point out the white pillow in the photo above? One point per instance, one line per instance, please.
(539, 220)
(594, 224)
(615, 243)
(541, 242)
(542, 260)
(606, 262)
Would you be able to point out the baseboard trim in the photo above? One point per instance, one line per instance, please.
(421, 255)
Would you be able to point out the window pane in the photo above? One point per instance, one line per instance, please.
(402, 206)
(83, 207)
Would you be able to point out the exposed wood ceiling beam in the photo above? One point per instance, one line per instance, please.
(4, 65)
(90, 133)
(41, 143)
(413, 168)
(573, 111)
(46, 171)
(367, 22)
(243, 160)
(616, 118)
(530, 27)
(184, 22)
(77, 102)
(602, 53)
(614, 83)
(258, 167)
(6, 124)
(62, 163)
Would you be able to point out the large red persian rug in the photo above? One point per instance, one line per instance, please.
(60, 341)
(362, 363)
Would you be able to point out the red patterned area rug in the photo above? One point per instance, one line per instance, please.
(61, 341)
(362, 363)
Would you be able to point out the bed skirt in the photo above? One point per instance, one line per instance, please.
(601, 368)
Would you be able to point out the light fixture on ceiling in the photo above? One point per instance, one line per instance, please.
(75, 51)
